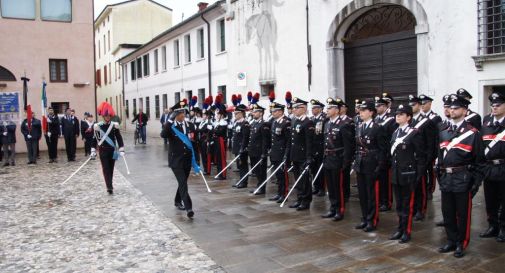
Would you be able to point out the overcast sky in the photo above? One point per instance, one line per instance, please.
(188, 7)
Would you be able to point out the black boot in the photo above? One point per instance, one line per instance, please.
(338, 217)
(295, 205)
(501, 235)
(329, 214)
(396, 236)
(275, 197)
(361, 225)
(492, 231)
(447, 248)
(460, 251)
(405, 238)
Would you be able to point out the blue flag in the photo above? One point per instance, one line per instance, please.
(184, 138)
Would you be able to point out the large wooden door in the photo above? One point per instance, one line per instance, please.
(381, 58)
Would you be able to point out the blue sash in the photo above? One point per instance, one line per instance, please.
(184, 138)
(115, 155)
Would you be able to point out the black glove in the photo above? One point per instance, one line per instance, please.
(474, 190)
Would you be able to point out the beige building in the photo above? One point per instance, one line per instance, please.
(120, 29)
(51, 41)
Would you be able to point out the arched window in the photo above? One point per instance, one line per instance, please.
(6, 75)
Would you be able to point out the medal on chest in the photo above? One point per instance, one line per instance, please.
(298, 128)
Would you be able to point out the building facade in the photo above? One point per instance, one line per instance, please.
(49, 41)
(120, 29)
(353, 49)
(178, 64)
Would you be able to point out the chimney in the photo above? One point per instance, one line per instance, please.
(202, 6)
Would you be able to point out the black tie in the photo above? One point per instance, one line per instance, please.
(454, 128)
(497, 124)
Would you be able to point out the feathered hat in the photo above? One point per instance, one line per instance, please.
(105, 109)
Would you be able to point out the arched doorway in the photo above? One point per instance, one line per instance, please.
(6, 75)
(382, 20)
(380, 54)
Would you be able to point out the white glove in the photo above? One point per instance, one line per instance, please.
(29, 136)
(49, 120)
(49, 134)
(209, 127)
(121, 151)
(93, 153)
(5, 134)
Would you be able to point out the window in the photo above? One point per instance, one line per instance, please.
(108, 39)
(105, 75)
(60, 107)
(157, 106)
(115, 71)
(155, 61)
(221, 36)
(164, 58)
(146, 65)
(491, 26)
(110, 73)
(139, 68)
(58, 70)
(222, 90)
(134, 107)
(266, 88)
(19, 9)
(165, 102)
(201, 96)
(200, 44)
(99, 77)
(189, 95)
(187, 48)
(104, 45)
(127, 109)
(119, 71)
(56, 10)
(148, 108)
(132, 70)
(176, 53)
(177, 97)
(99, 48)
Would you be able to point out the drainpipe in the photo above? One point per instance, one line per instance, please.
(309, 53)
(94, 57)
(209, 62)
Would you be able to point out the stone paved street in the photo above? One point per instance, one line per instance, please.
(78, 227)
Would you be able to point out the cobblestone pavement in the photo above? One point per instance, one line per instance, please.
(78, 227)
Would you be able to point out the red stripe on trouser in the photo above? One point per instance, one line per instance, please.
(223, 155)
(342, 205)
(286, 182)
(376, 216)
(468, 221)
(411, 212)
(390, 189)
(208, 162)
(423, 190)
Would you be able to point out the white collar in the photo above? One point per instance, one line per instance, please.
(416, 116)
(457, 124)
(279, 119)
(367, 123)
(427, 113)
(383, 115)
(317, 116)
(500, 120)
(333, 120)
(406, 125)
(301, 118)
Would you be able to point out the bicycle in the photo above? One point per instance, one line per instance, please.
(136, 136)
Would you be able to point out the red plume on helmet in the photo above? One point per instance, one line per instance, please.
(288, 97)
(185, 101)
(239, 98)
(271, 96)
(105, 109)
(194, 100)
(206, 103)
(234, 100)
(211, 100)
(255, 98)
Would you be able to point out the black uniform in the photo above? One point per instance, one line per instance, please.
(346, 171)
(318, 149)
(408, 166)
(494, 188)
(338, 153)
(87, 135)
(70, 128)
(106, 151)
(32, 135)
(53, 127)
(259, 144)
(180, 159)
(430, 181)
(8, 140)
(240, 141)
(428, 132)
(281, 134)
(204, 138)
(459, 157)
(387, 121)
(195, 122)
(219, 132)
(301, 155)
(370, 161)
